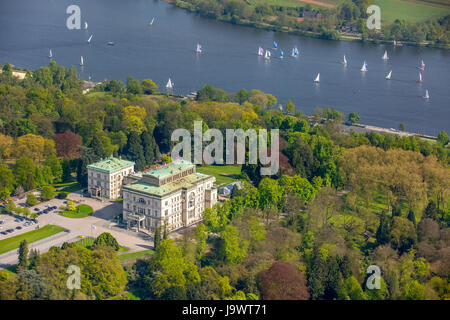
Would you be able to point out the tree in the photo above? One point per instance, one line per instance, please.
(402, 126)
(442, 138)
(106, 239)
(135, 151)
(23, 255)
(431, 211)
(133, 117)
(169, 268)
(6, 182)
(353, 117)
(283, 281)
(233, 249)
(412, 217)
(351, 290)
(30, 145)
(157, 237)
(241, 96)
(6, 146)
(70, 205)
(316, 274)
(66, 170)
(31, 199)
(403, 234)
(23, 170)
(67, 144)
(270, 193)
(148, 86)
(133, 86)
(47, 193)
(289, 107)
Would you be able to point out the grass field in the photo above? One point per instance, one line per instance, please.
(296, 3)
(32, 236)
(409, 11)
(82, 211)
(224, 174)
(136, 255)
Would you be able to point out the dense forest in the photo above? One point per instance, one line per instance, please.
(340, 202)
(347, 15)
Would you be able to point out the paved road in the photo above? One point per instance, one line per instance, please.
(101, 221)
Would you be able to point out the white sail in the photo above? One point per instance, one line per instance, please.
(395, 43)
(50, 54)
(82, 61)
(169, 84)
(364, 66)
(345, 60)
(388, 77)
(420, 77)
(90, 38)
(385, 56)
(151, 22)
(260, 51)
(427, 96)
(199, 48)
(85, 25)
(317, 79)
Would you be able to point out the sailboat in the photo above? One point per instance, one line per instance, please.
(345, 60)
(427, 96)
(82, 61)
(275, 45)
(267, 55)
(151, 22)
(395, 43)
(260, 51)
(317, 79)
(388, 77)
(199, 48)
(422, 66)
(385, 56)
(85, 25)
(90, 38)
(295, 52)
(50, 55)
(364, 66)
(169, 84)
(420, 77)
(281, 54)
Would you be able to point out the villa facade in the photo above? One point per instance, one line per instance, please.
(173, 196)
(106, 176)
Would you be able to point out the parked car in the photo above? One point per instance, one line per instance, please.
(4, 233)
(36, 209)
(18, 227)
(10, 230)
(2, 221)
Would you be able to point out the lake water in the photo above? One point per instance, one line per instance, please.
(29, 28)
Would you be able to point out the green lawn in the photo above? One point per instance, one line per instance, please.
(317, 4)
(31, 236)
(136, 255)
(224, 174)
(70, 186)
(82, 211)
(408, 11)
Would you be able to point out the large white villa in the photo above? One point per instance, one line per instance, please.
(172, 196)
(105, 177)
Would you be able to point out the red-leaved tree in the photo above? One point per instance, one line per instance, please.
(282, 281)
(67, 144)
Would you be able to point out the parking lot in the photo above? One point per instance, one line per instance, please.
(102, 220)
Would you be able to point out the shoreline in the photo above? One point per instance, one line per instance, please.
(342, 36)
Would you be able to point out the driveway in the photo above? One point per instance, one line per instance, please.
(91, 226)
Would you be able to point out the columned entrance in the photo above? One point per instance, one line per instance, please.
(136, 221)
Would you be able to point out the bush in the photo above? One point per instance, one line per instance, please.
(62, 195)
(31, 200)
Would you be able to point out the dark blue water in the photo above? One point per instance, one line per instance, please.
(29, 28)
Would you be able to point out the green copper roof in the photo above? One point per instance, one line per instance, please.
(110, 164)
(170, 169)
(168, 188)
